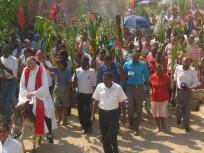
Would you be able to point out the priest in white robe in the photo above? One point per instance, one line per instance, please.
(35, 89)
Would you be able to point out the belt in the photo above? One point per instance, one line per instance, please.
(108, 111)
(84, 93)
(10, 78)
(135, 86)
(61, 86)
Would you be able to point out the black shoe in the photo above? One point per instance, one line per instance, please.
(136, 132)
(131, 127)
(188, 130)
(83, 132)
(50, 138)
(157, 130)
(89, 131)
(163, 127)
(178, 122)
(173, 104)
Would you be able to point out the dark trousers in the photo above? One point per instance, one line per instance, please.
(84, 110)
(183, 106)
(8, 89)
(108, 122)
(48, 122)
(136, 96)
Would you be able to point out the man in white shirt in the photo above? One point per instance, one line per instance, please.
(86, 83)
(186, 79)
(9, 65)
(109, 96)
(7, 143)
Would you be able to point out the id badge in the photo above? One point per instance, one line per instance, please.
(131, 73)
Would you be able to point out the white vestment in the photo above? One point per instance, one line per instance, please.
(11, 146)
(42, 93)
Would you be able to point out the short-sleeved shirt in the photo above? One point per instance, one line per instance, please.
(86, 80)
(113, 69)
(62, 78)
(136, 74)
(159, 84)
(109, 98)
(189, 77)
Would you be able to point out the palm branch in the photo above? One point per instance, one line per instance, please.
(182, 7)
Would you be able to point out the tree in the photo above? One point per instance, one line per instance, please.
(7, 16)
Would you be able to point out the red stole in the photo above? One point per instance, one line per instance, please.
(39, 117)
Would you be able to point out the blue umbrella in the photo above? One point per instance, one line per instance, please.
(136, 22)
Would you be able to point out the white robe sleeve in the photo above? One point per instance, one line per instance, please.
(43, 91)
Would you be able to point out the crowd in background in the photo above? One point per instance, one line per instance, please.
(145, 76)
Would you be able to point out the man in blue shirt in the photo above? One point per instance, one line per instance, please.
(137, 75)
(109, 66)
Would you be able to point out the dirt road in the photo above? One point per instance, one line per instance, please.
(69, 140)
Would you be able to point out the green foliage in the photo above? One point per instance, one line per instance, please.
(199, 3)
(201, 38)
(92, 26)
(51, 31)
(145, 10)
(7, 16)
(160, 30)
(182, 7)
(116, 28)
(176, 27)
(47, 29)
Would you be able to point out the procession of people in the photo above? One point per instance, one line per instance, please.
(54, 82)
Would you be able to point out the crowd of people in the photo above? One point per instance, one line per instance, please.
(55, 83)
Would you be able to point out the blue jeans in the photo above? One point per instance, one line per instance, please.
(8, 89)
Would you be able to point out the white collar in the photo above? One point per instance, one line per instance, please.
(36, 68)
(6, 141)
(113, 86)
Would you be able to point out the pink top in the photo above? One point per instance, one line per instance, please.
(168, 57)
(150, 58)
(195, 52)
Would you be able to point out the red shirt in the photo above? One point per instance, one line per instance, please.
(152, 66)
(159, 84)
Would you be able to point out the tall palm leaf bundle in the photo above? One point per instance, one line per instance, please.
(182, 7)
(201, 37)
(117, 32)
(51, 31)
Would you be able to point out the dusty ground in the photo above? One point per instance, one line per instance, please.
(69, 140)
